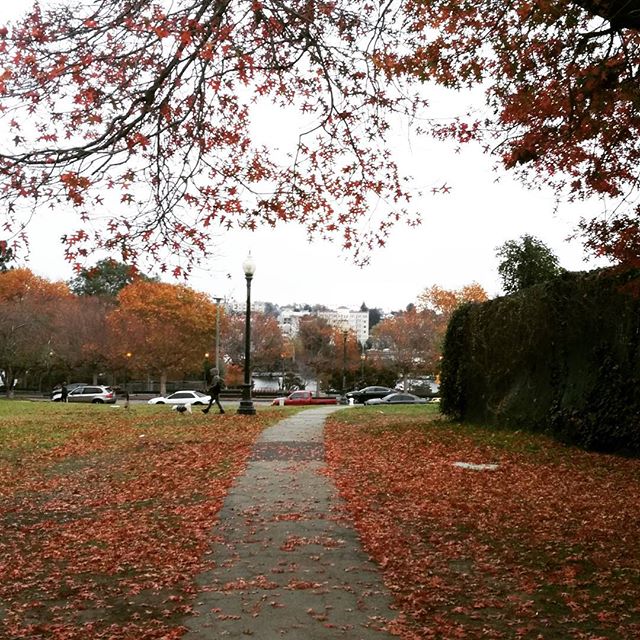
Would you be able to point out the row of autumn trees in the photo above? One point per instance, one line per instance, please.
(48, 333)
(124, 325)
(129, 326)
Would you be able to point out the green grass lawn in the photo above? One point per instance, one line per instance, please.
(545, 545)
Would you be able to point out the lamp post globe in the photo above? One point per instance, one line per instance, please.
(249, 266)
(246, 404)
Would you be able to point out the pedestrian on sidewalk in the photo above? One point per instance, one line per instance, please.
(214, 391)
(64, 392)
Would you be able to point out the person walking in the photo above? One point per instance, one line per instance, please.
(64, 392)
(214, 392)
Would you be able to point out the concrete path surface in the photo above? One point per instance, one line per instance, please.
(285, 566)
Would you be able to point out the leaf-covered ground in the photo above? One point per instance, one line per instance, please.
(106, 514)
(545, 546)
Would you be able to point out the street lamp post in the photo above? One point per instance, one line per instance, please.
(246, 404)
(218, 300)
(51, 354)
(344, 360)
(282, 356)
(126, 369)
(206, 368)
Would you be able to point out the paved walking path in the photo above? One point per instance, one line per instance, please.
(285, 565)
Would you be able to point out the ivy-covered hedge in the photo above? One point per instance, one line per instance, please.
(561, 357)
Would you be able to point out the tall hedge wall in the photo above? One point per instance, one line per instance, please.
(561, 357)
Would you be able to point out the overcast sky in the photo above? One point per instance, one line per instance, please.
(454, 246)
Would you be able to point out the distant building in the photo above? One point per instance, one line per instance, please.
(289, 321)
(233, 306)
(342, 318)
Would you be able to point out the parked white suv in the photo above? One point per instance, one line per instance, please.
(95, 394)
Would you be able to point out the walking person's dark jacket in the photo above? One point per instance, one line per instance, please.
(214, 393)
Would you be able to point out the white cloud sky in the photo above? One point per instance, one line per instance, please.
(454, 246)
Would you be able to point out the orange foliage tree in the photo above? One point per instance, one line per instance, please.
(319, 350)
(410, 340)
(30, 333)
(346, 359)
(166, 328)
(313, 349)
(445, 301)
(82, 335)
(19, 284)
(267, 343)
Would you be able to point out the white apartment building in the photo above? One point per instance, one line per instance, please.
(289, 321)
(342, 318)
(234, 306)
(289, 318)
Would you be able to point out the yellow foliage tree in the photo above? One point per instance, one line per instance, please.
(445, 301)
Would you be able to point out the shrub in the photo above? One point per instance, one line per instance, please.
(562, 357)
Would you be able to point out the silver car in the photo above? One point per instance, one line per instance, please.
(397, 398)
(94, 394)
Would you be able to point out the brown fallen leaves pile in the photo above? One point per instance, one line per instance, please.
(105, 517)
(547, 545)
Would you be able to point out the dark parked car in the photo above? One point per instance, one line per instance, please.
(368, 393)
(399, 397)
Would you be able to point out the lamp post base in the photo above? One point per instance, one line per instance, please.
(246, 407)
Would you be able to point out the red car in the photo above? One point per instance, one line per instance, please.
(303, 397)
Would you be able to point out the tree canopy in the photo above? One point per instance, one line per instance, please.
(29, 315)
(106, 278)
(141, 113)
(162, 327)
(445, 301)
(411, 339)
(561, 87)
(526, 262)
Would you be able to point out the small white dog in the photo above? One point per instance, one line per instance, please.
(182, 408)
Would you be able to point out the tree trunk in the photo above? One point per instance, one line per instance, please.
(95, 378)
(9, 382)
(163, 383)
